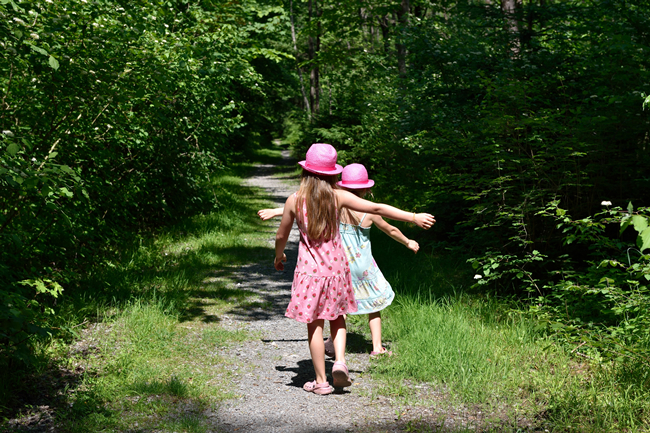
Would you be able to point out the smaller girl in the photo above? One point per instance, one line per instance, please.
(372, 291)
(321, 287)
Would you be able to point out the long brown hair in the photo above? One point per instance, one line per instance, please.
(316, 192)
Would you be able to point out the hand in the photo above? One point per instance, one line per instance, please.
(278, 264)
(412, 245)
(424, 220)
(266, 214)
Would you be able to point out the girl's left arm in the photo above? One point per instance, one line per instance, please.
(282, 236)
(349, 200)
(395, 233)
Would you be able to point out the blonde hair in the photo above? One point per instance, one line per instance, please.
(316, 194)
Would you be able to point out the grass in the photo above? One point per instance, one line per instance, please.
(148, 366)
(485, 352)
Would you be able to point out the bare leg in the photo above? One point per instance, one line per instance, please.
(374, 320)
(339, 336)
(317, 348)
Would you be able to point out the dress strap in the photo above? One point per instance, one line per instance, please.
(361, 220)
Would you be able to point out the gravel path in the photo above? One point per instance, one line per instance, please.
(278, 363)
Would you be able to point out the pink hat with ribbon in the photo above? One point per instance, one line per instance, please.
(321, 159)
(355, 176)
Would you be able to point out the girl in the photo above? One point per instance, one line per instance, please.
(371, 290)
(321, 286)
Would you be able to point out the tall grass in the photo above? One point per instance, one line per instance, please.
(486, 351)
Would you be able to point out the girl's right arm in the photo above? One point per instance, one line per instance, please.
(267, 214)
(395, 233)
(282, 236)
(349, 200)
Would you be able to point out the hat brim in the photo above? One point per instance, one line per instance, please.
(355, 185)
(337, 169)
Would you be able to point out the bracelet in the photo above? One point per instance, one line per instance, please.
(413, 216)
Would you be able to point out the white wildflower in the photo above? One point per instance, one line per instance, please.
(8, 133)
(33, 159)
(34, 35)
(606, 203)
(477, 277)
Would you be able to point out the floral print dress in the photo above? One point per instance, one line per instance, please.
(321, 286)
(371, 289)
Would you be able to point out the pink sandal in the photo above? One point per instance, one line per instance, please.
(318, 388)
(340, 375)
(383, 351)
(329, 347)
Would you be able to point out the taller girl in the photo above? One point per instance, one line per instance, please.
(322, 288)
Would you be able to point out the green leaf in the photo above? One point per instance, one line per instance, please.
(13, 149)
(630, 208)
(644, 239)
(54, 63)
(640, 223)
(38, 49)
(625, 223)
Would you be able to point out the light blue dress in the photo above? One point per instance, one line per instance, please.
(371, 290)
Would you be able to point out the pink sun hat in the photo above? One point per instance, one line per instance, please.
(321, 159)
(355, 176)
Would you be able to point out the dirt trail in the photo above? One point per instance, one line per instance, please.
(276, 365)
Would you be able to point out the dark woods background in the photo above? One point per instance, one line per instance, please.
(511, 121)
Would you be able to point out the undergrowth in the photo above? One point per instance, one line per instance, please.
(489, 351)
(143, 340)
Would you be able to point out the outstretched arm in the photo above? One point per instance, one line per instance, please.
(349, 200)
(267, 214)
(395, 233)
(282, 236)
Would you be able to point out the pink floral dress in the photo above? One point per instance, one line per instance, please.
(322, 286)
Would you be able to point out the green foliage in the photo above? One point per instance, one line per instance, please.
(599, 301)
(25, 313)
(114, 117)
(605, 303)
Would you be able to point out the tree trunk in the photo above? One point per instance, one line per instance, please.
(509, 9)
(383, 23)
(314, 47)
(402, 17)
(295, 49)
